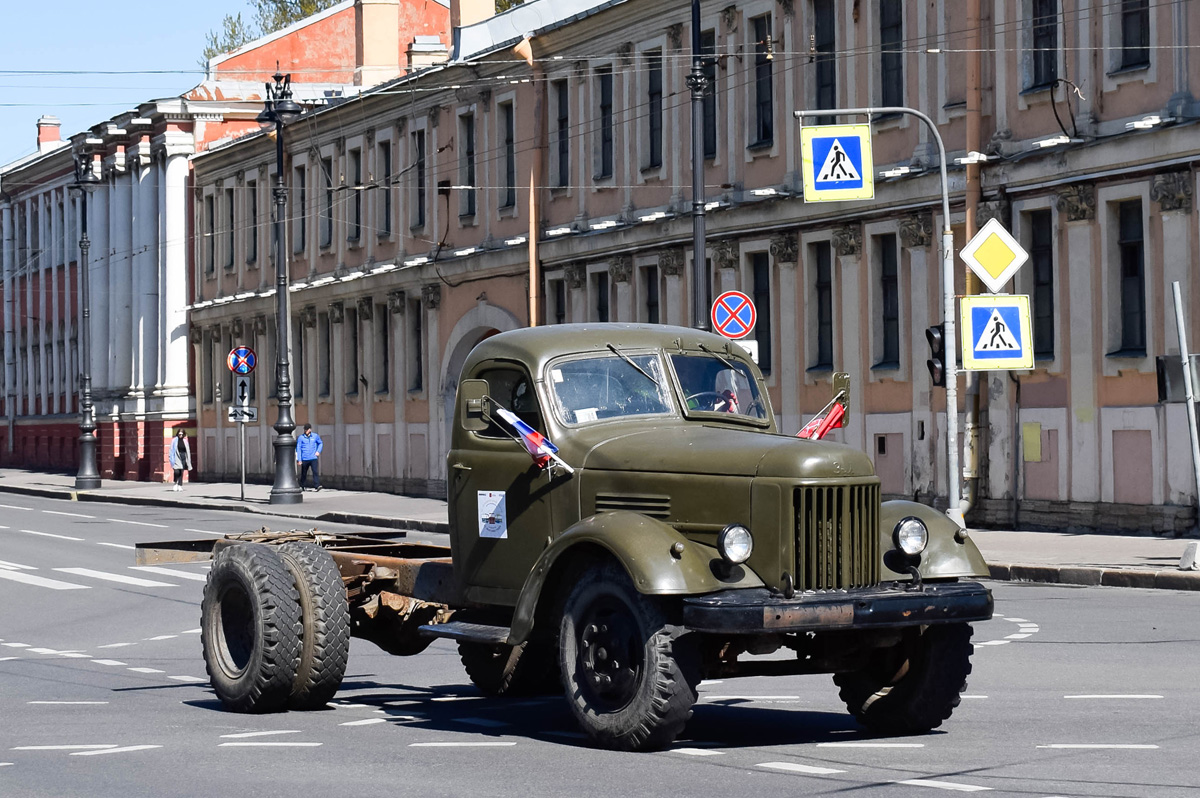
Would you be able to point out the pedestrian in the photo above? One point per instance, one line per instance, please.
(308, 450)
(181, 457)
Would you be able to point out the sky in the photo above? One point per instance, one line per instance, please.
(160, 45)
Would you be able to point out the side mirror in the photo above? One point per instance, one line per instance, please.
(473, 398)
(841, 383)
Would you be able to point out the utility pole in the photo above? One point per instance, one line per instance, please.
(974, 191)
(698, 83)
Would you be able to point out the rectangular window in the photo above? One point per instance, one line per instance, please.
(889, 304)
(654, 109)
(1135, 33)
(1041, 257)
(251, 221)
(350, 330)
(764, 107)
(1130, 244)
(327, 205)
(600, 286)
(383, 348)
(708, 48)
(891, 57)
(206, 368)
(383, 179)
(604, 78)
(825, 66)
(761, 264)
(210, 240)
(650, 277)
(416, 346)
(418, 166)
(354, 232)
(560, 301)
(466, 167)
(562, 132)
(1045, 42)
(822, 255)
(508, 197)
(300, 211)
(62, 232)
(324, 354)
(296, 358)
(230, 225)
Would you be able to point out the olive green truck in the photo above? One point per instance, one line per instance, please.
(625, 520)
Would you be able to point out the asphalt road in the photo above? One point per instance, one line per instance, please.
(1075, 692)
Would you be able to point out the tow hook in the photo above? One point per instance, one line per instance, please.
(916, 578)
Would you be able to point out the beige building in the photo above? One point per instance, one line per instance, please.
(410, 218)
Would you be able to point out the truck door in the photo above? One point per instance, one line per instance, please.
(501, 499)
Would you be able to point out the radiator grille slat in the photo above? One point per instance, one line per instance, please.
(652, 506)
(837, 536)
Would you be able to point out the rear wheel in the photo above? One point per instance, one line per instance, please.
(325, 617)
(912, 686)
(250, 628)
(630, 676)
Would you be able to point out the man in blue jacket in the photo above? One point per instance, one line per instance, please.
(308, 450)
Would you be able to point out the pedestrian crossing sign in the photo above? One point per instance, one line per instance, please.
(836, 163)
(997, 332)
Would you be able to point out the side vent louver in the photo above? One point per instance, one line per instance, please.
(652, 506)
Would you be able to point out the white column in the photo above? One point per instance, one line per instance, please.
(121, 281)
(146, 277)
(625, 311)
(1084, 419)
(98, 255)
(173, 281)
(853, 289)
(52, 248)
(6, 263)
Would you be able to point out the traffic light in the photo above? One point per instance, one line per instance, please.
(936, 335)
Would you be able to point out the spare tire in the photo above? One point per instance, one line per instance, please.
(250, 628)
(325, 618)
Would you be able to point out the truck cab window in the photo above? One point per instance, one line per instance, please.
(512, 389)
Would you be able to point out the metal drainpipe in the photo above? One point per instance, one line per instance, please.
(525, 50)
(974, 112)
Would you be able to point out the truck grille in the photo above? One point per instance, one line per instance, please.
(837, 537)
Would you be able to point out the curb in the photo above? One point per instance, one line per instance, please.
(1172, 579)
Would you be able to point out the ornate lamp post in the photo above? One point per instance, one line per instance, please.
(86, 181)
(280, 109)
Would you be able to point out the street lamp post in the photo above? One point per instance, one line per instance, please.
(88, 476)
(280, 109)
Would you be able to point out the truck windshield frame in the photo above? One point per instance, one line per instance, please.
(712, 390)
(591, 388)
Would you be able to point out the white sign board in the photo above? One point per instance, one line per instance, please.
(493, 521)
(836, 163)
(997, 332)
(241, 390)
(242, 415)
(994, 255)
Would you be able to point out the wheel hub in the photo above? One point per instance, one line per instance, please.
(609, 648)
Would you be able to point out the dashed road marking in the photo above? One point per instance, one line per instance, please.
(67, 703)
(750, 698)
(1018, 636)
(489, 744)
(1100, 746)
(6, 659)
(91, 747)
(146, 670)
(870, 745)
(944, 785)
(188, 679)
(1114, 696)
(697, 752)
(15, 566)
(5, 764)
(972, 696)
(123, 750)
(72, 515)
(42, 650)
(137, 523)
(243, 735)
(14, 507)
(189, 631)
(117, 645)
(115, 545)
(17, 645)
(161, 637)
(205, 532)
(364, 722)
(268, 744)
(41, 581)
(51, 535)
(121, 578)
(74, 654)
(107, 662)
(792, 767)
(154, 569)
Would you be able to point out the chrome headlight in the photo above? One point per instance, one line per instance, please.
(911, 536)
(735, 544)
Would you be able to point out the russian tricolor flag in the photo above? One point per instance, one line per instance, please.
(537, 444)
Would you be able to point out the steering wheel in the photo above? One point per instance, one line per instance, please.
(720, 402)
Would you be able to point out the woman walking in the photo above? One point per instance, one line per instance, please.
(181, 457)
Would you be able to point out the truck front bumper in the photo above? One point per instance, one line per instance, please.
(759, 611)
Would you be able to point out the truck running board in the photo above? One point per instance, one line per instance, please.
(468, 632)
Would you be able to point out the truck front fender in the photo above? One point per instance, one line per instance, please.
(944, 557)
(659, 560)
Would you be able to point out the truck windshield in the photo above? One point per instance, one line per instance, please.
(710, 385)
(597, 388)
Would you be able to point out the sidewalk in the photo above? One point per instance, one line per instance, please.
(1059, 557)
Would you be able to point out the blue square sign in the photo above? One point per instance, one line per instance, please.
(836, 162)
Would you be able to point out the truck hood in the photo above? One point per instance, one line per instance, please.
(719, 450)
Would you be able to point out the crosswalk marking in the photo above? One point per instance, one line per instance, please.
(39, 581)
(154, 569)
(125, 580)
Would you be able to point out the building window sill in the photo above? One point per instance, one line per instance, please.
(1128, 70)
(820, 368)
(886, 365)
(1038, 89)
(760, 146)
(1127, 354)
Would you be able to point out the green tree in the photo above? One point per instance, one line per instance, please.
(504, 5)
(269, 16)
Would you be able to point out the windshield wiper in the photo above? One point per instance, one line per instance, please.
(629, 360)
(729, 365)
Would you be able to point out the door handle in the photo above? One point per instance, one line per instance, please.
(461, 467)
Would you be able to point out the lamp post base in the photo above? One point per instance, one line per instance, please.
(286, 496)
(286, 488)
(88, 477)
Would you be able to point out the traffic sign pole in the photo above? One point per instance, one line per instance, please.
(954, 497)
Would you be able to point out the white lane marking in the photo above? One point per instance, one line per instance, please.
(123, 750)
(188, 679)
(104, 575)
(1015, 620)
(1100, 746)
(1113, 696)
(74, 654)
(241, 735)
(364, 722)
(750, 698)
(205, 532)
(697, 752)
(138, 523)
(487, 723)
(161, 637)
(269, 745)
(870, 745)
(40, 581)
(972, 696)
(154, 569)
(6, 659)
(14, 507)
(1018, 636)
(1028, 625)
(991, 643)
(443, 698)
(792, 767)
(42, 650)
(72, 515)
(51, 535)
(108, 662)
(348, 705)
(16, 566)
(117, 645)
(146, 670)
(706, 682)
(17, 645)
(944, 785)
(5, 764)
(66, 703)
(116, 545)
(460, 745)
(189, 631)
(63, 747)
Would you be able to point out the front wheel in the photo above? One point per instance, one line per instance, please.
(912, 686)
(630, 676)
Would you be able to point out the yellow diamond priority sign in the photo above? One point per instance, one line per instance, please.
(994, 255)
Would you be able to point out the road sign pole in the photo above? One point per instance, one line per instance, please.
(954, 494)
(242, 454)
